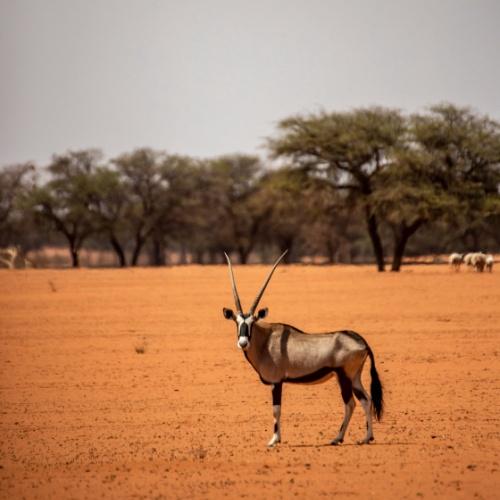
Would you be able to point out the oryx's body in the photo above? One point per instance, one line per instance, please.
(281, 353)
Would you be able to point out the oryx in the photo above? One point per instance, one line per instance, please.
(281, 353)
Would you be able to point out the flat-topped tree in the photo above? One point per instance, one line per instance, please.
(155, 182)
(64, 200)
(234, 180)
(463, 151)
(15, 183)
(350, 149)
(109, 208)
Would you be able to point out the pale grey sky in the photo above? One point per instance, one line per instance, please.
(210, 77)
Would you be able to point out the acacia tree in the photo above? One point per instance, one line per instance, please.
(463, 153)
(108, 205)
(351, 149)
(158, 190)
(176, 205)
(282, 195)
(65, 199)
(407, 198)
(234, 180)
(15, 182)
(143, 181)
(204, 229)
(333, 223)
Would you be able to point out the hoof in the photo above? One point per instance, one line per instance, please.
(336, 442)
(273, 442)
(366, 441)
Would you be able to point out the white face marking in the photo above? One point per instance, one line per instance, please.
(244, 340)
(240, 319)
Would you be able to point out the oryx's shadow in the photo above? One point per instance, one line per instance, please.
(328, 445)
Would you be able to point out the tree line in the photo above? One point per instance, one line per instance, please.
(352, 186)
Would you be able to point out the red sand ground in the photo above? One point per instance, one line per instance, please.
(83, 415)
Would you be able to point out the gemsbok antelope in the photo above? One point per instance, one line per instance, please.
(8, 257)
(281, 353)
(455, 260)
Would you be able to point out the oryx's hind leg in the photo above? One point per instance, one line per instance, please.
(366, 402)
(345, 384)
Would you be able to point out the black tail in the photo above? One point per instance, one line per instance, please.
(376, 389)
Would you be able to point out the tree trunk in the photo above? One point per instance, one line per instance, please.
(183, 255)
(198, 257)
(401, 237)
(399, 250)
(118, 250)
(73, 249)
(213, 256)
(158, 253)
(286, 243)
(75, 260)
(139, 243)
(243, 253)
(378, 250)
(332, 249)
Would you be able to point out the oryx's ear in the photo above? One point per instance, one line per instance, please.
(262, 313)
(228, 313)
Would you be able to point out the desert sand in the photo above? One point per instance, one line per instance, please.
(128, 384)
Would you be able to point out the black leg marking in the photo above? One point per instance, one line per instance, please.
(359, 394)
(311, 377)
(345, 386)
(277, 393)
(276, 390)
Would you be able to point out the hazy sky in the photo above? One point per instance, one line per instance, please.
(210, 77)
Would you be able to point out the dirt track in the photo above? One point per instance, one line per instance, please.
(84, 415)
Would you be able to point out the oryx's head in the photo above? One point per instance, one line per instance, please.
(245, 321)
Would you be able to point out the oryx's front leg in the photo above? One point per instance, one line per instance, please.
(276, 414)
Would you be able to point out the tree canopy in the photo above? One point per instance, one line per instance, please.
(346, 186)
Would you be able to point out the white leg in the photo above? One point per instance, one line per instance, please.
(345, 384)
(348, 410)
(366, 402)
(277, 415)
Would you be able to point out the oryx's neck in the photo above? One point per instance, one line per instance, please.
(260, 336)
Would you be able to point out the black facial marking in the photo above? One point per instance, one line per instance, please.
(243, 331)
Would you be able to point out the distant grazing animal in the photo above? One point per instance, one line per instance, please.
(489, 262)
(281, 353)
(455, 260)
(8, 257)
(468, 259)
(478, 260)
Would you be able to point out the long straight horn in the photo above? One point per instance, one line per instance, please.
(233, 284)
(263, 289)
